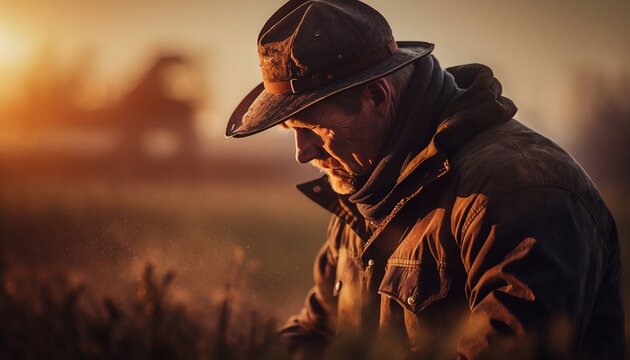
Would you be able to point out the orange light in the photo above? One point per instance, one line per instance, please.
(13, 49)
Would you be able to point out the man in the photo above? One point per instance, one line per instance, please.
(456, 230)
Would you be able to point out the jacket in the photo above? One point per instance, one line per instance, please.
(499, 244)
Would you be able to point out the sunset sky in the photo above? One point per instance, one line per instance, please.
(534, 47)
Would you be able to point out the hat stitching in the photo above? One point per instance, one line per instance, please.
(261, 37)
(295, 63)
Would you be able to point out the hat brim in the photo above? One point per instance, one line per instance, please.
(260, 109)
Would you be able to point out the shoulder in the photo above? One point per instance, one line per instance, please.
(510, 156)
(510, 159)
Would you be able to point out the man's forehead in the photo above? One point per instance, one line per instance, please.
(313, 114)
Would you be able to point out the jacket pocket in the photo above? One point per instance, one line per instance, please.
(414, 285)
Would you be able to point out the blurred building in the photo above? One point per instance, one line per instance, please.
(150, 127)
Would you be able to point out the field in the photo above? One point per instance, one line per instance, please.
(106, 233)
(211, 241)
(157, 267)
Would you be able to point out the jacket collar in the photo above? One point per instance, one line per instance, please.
(320, 191)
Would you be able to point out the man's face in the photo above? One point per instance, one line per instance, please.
(344, 146)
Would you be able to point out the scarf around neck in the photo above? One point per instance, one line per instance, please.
(428, 92)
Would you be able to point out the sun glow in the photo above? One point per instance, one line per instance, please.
(13, 49)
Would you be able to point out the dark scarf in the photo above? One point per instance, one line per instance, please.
(428, 92)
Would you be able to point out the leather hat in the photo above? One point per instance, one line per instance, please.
(312, 49)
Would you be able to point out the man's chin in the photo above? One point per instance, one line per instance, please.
(342, 185)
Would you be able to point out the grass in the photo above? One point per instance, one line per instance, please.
(105, 237)
(161, 270)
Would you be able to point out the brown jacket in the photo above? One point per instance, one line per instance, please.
(500, 243)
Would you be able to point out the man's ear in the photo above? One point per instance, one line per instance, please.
(380, 95)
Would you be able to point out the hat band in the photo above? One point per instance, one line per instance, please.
(315, 82)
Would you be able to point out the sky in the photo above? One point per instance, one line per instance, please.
(536, 48)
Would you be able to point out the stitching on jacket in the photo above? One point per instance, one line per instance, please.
(532, 170)
(404, 262)
(473, 215)
(413, 263)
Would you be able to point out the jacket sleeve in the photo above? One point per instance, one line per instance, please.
(534, 262)
(314, 327)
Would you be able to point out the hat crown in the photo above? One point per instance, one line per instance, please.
(319, 36)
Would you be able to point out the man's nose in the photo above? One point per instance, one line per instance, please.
(307, 146)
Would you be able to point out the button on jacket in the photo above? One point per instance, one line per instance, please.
(499, 243)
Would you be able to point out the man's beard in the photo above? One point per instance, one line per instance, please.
(342, 184)
(341, 181)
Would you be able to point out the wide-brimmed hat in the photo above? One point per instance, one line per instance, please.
(312, 49)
